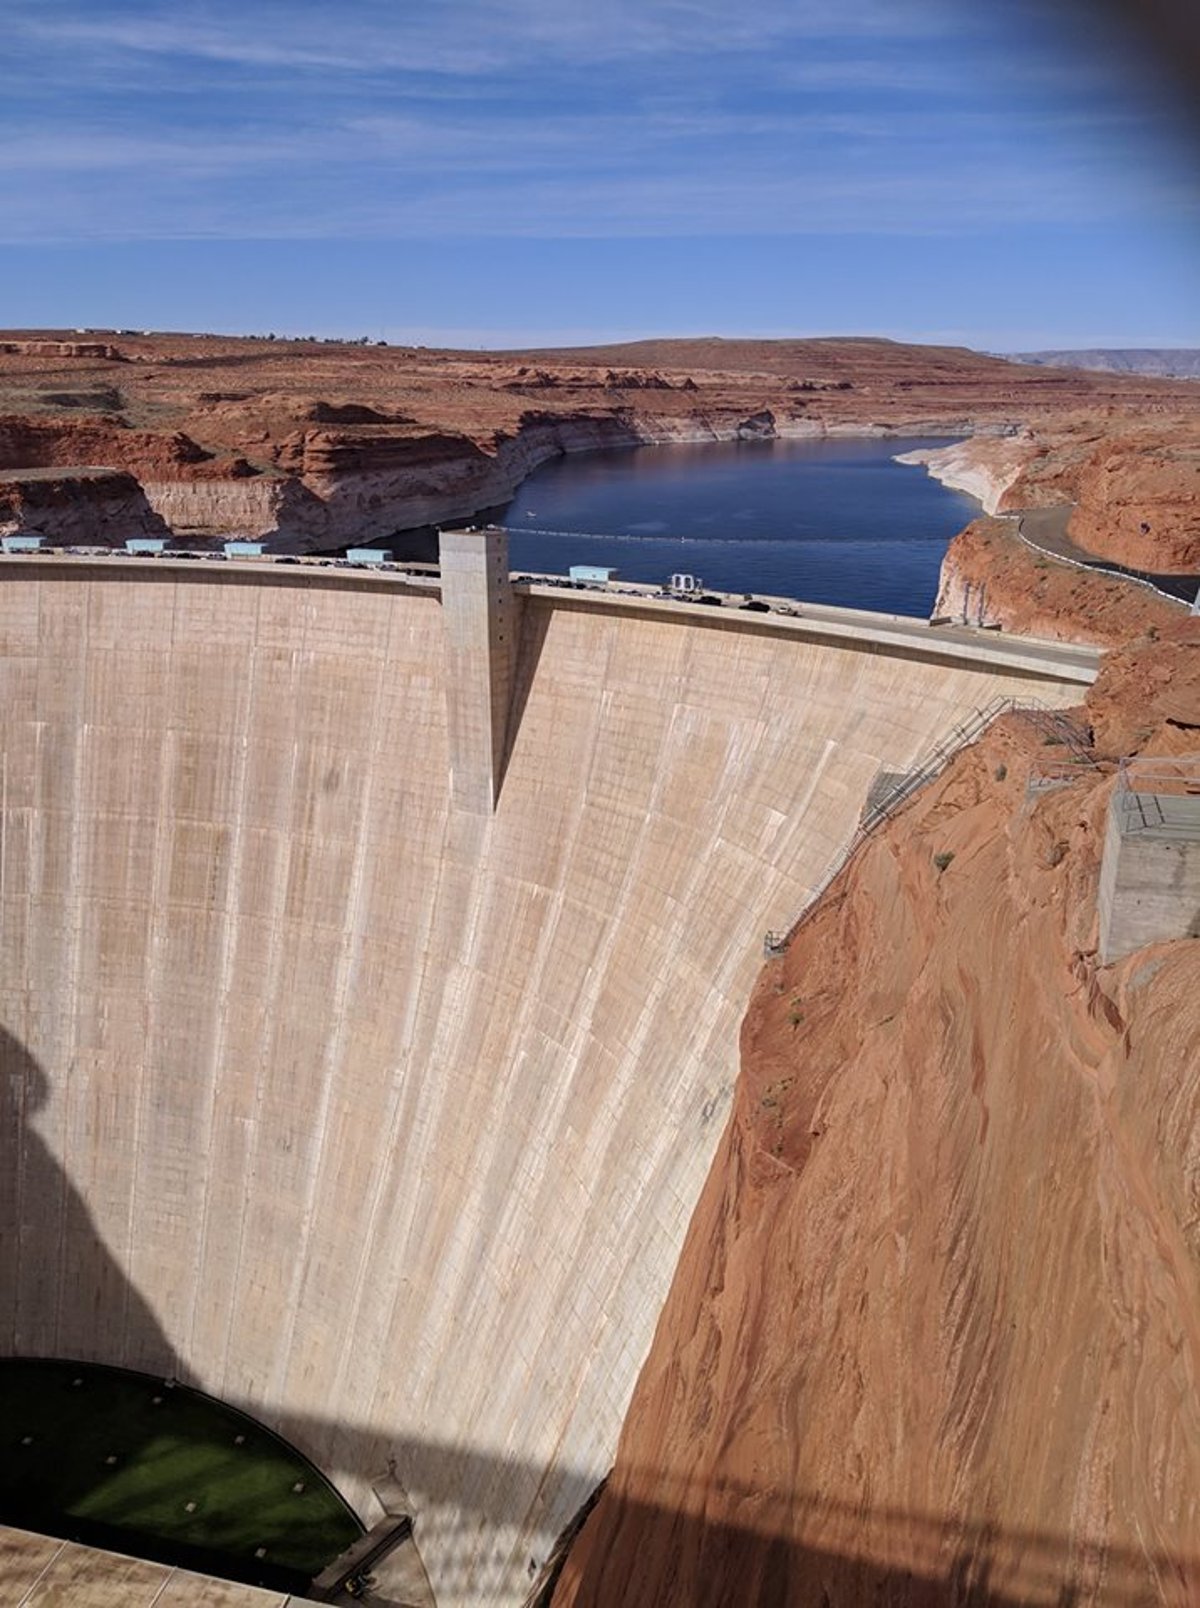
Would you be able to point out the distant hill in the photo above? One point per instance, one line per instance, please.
(1167, 362)
(855, 356)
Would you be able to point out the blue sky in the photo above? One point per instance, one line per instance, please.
(490, 172)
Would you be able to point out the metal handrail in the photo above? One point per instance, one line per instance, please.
(1181, 771)
(1142, 784)
(966, 731)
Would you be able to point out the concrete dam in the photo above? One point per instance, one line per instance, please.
(373, 958)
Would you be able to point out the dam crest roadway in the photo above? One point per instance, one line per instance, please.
(377, 944)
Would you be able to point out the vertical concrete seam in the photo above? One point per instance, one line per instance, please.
(80, 750)
(171, 1575)
(229, 947)
(254, 1139)
(159, 917)
(348, 958)
(406, 1078)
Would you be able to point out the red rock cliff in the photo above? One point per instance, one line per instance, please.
(935, 1335)
(99, 505)
(323, 443)
(991, 577)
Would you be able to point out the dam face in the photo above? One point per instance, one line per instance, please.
(378, 1116)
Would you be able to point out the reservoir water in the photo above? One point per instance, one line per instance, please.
(826, 520)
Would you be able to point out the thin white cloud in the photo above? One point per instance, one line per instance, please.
(955, 199)
(93, 152)
(934, 76)
(262, 122)
(307, 42)
(442, 144)
(465, 36)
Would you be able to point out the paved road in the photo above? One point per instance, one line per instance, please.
(1046, 529)
(897, 632)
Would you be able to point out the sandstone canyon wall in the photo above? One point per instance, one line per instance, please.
(81, 506)
(935, 1334)
(318, 445)
(991, 577)
(985, 468)
(1135, 490)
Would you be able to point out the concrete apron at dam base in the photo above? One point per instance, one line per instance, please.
(372, 957)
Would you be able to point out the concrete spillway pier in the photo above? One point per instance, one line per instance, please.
(369, 1090)
(480, 619)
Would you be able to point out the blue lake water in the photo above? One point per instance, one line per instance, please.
(829, 521)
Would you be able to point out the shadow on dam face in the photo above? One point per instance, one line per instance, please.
(130, 1461)
(63, 1292)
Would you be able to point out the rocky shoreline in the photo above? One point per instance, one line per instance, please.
(983, 467)
(320, 446)
(329, 504)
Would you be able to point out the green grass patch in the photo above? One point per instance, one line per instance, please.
(162, 1471)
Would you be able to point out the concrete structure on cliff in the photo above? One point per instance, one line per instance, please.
(1150, 877)
(373, 961)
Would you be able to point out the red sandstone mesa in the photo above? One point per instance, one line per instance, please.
(329, 442)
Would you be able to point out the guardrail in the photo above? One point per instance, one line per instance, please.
(1059, 728)
(1143, 785)
(1183, 589)
(411, 568)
